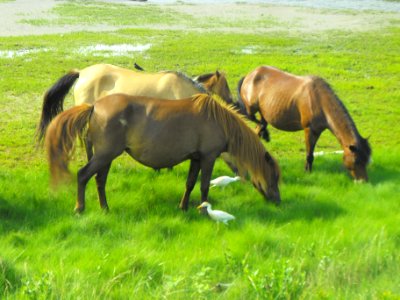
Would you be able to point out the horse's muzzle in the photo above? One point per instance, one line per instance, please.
(274, 197)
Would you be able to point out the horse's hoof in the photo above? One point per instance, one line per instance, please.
(79, 210)
(307, 168)
(184, 208)
(265, 136)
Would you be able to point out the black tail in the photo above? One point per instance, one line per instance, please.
(53, 102)
(239, 103)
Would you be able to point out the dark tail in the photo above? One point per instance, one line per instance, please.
(53, 102)
(239, 103)
(61, 136)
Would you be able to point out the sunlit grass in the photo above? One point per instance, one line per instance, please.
(329, 239)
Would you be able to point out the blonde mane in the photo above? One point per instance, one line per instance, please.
(243, 143)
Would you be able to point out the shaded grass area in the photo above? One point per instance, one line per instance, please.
(323, 239)
(329, 239)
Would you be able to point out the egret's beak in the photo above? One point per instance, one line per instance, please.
(200, 206)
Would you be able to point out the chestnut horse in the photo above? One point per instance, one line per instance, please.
(291, 103)
(217, 84)
(159, 134)
(100, 80)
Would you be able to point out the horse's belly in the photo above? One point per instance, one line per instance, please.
(159, 151)
(155, 159)
(287, 119)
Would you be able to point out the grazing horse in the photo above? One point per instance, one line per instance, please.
(99, 80)
(216, 83)
(291, 103)
(159, 134)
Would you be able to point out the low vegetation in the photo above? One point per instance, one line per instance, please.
(330, 238)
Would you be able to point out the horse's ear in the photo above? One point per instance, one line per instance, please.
(268, 157)
(353, 148)
(217, 73)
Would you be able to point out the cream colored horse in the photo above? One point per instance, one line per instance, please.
(101, 80)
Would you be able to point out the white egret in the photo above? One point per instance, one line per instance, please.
(223, 180)
(217, 215)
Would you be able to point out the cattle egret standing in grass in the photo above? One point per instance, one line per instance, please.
(223, 180)
(217, 215)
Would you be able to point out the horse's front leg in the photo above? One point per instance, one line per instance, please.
(207, 166)
(311, 138)
(194, 170)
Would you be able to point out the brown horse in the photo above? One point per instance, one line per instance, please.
(159, 134)
(289, 102)
(100, 80)
(217, 84)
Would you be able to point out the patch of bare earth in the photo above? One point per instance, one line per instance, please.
(291, 18)
(285, 18)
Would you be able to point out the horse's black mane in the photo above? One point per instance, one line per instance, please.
(204, 77)
(198, 85)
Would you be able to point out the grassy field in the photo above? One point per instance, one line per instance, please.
(330, 238)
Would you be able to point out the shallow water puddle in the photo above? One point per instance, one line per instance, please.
(19, 53)
(113, 50)
(249, 50)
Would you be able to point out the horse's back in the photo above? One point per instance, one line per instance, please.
(268, 84)
(99, 80)
(104, 79)
(283, 99)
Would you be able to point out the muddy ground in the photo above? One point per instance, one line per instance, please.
(297, 19)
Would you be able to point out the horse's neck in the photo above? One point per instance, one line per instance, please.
(340, 123)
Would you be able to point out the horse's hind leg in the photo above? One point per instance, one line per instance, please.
(95, 165)
(190, 183)
(101, 179)
(311, 138)
(263, 131)
(261, 128)
(88, 148)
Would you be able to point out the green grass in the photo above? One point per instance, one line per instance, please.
(330, 238)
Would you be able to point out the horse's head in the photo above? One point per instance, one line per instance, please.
(217, 84)
(356, 159)
(267, 184)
